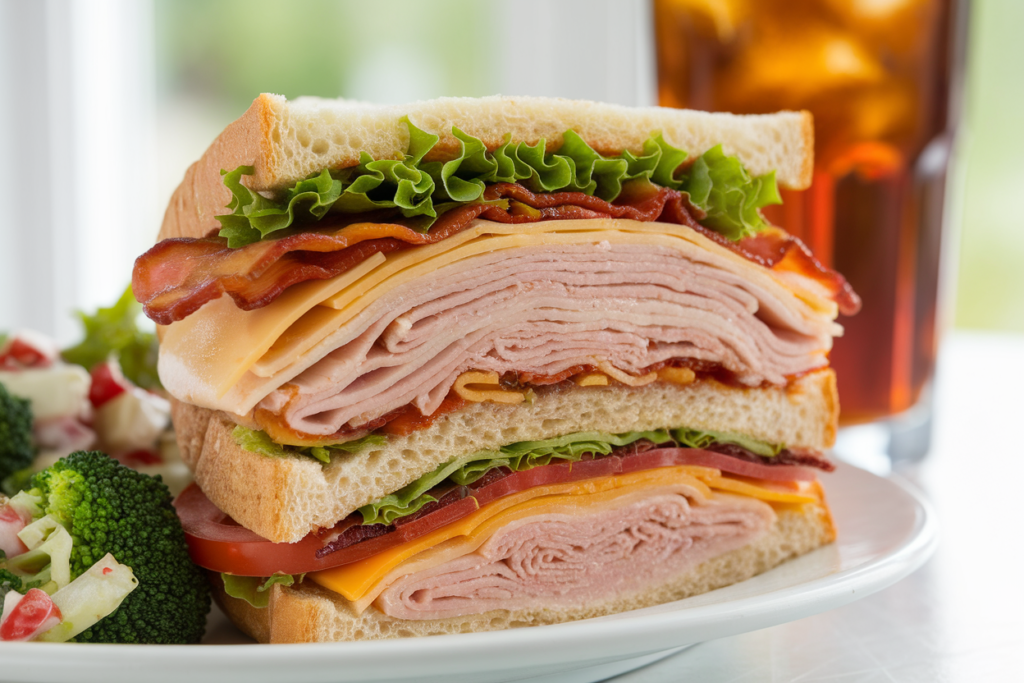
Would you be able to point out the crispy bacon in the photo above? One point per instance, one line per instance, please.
(779, 250)
(523, 379)
(177, 276)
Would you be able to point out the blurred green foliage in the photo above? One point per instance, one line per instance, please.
(229, 51)
(990, 292)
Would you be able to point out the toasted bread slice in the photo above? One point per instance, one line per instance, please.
(308, 613)
(283, 499)
(286, 141)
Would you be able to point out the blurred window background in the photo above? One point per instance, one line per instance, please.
(107, 102)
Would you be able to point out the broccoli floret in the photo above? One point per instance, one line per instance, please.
(16, 450)
(110, 508)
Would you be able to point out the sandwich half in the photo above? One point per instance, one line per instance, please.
(473, 364)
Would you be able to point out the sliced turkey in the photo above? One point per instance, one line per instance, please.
(563, 559)
(544, 309)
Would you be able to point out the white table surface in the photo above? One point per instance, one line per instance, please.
(960, 617)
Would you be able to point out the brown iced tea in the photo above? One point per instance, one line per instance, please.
(877, 75)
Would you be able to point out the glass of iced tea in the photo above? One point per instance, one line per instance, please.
(882, 78)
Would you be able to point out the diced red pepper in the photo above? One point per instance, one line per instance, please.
(27, 350)
(140, 457)
(107, 383)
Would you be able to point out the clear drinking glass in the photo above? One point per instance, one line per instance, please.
(882, 78)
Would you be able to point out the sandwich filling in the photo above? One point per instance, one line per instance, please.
(365, 302)
(568, 556)
(538, 299)
(363, 292)
(561, 534)
(543, 310)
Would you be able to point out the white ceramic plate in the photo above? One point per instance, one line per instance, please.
(886, 531)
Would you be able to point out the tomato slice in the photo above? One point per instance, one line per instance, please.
(219, 543)
(31, 616)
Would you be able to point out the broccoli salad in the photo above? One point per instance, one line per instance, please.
(93, 551)
(101, 393)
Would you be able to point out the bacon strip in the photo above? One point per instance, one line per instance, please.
(780, 251)
(177, 276)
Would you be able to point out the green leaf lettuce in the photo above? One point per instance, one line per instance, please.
(716, 184)
(256, 441)
(255, 590)
(696, 438)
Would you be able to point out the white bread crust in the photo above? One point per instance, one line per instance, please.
(286, 141)
(309, 613)
(283, 499)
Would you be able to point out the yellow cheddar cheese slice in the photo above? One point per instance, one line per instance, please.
(766, 493)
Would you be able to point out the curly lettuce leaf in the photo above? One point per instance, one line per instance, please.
(717, 184)
(255, 216)
(697, 438)
(256, 441)
(517, 457)
(114, 332)
(255, 590)
(730, 198)
(372, 185)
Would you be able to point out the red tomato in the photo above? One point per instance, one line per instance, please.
(107, 383)
(33, 615)
(219, 543)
